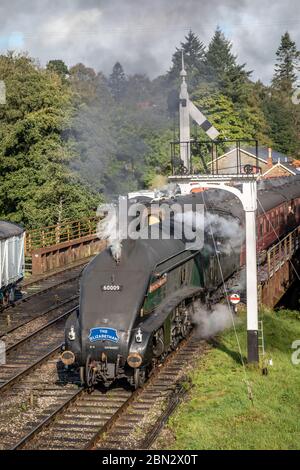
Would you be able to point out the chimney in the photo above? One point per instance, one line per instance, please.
(270, 159)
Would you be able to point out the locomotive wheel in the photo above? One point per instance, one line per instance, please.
(185, 328)
(90, 375)
(158, 343)
(82, 374)
(139, 377)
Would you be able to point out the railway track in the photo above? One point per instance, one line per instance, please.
(34, 397)
(59, 292)
(30, 350)
(103, 418)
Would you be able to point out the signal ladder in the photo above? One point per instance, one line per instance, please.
(261, 348)
(261, 341)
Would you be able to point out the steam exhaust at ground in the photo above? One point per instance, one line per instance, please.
(210, 322)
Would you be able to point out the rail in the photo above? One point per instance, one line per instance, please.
(60, 233)
(280, 253)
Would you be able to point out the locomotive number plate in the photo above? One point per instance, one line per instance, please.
(111, 288)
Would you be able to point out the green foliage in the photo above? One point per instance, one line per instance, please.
(219, 58)
(231, 121)
(287, 61)
(35, 177)
(90, 135)
(68, 137)
(219, 414)
(279, 112)
(58, 66)
(283, 117)
(113, 140)
(223, 70)
(117, 81)
(194, 55)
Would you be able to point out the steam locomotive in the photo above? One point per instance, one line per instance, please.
(134, 310)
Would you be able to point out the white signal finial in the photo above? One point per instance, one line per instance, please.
(183, 72)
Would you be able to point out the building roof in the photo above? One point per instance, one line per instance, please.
(243, 150)
(263, 153)
(9, 229)
(286, 166)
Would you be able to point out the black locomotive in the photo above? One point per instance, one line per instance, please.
(133, 311)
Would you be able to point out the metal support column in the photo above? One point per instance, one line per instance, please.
(249, 203)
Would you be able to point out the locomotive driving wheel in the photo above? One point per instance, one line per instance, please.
(186, 324)
(139, 378)
(90, 373)
(158, 343)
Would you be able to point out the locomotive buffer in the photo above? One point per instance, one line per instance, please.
(227, 182)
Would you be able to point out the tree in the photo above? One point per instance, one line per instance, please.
(58, 66)
(219, 109)
(222, 67)
(194, 55)
(219, 58)
(287, 61)
(117, 81)
(37, 185)
(83, 82)
(282, 115)
(279, 113)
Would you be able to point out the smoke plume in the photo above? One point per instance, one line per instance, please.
(230, 230)
(210, 322)
(107, 229)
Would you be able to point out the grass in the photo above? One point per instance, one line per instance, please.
(219, 413)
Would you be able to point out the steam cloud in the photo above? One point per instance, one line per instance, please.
(210, 322)
(107, 229)
(229, 230)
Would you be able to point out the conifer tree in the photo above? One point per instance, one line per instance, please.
(117, 81)
(194, 55)
(219, 57)
(287, 61)
(222, 68)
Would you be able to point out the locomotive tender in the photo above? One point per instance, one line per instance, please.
(133, 312)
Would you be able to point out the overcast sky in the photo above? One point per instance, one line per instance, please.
(143, 34)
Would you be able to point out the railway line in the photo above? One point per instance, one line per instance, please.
(47, 281)
(29, 351)
(82, 419)
(47, 295)
(26, 402)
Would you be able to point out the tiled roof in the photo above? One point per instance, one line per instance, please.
(263, 153)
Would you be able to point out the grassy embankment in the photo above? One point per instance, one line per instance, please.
(219, 414)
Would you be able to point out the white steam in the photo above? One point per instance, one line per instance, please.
(168, 191)
(228, 229)
(210, 322)
(108, 229)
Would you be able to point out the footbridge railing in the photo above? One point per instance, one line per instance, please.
(283, 251)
